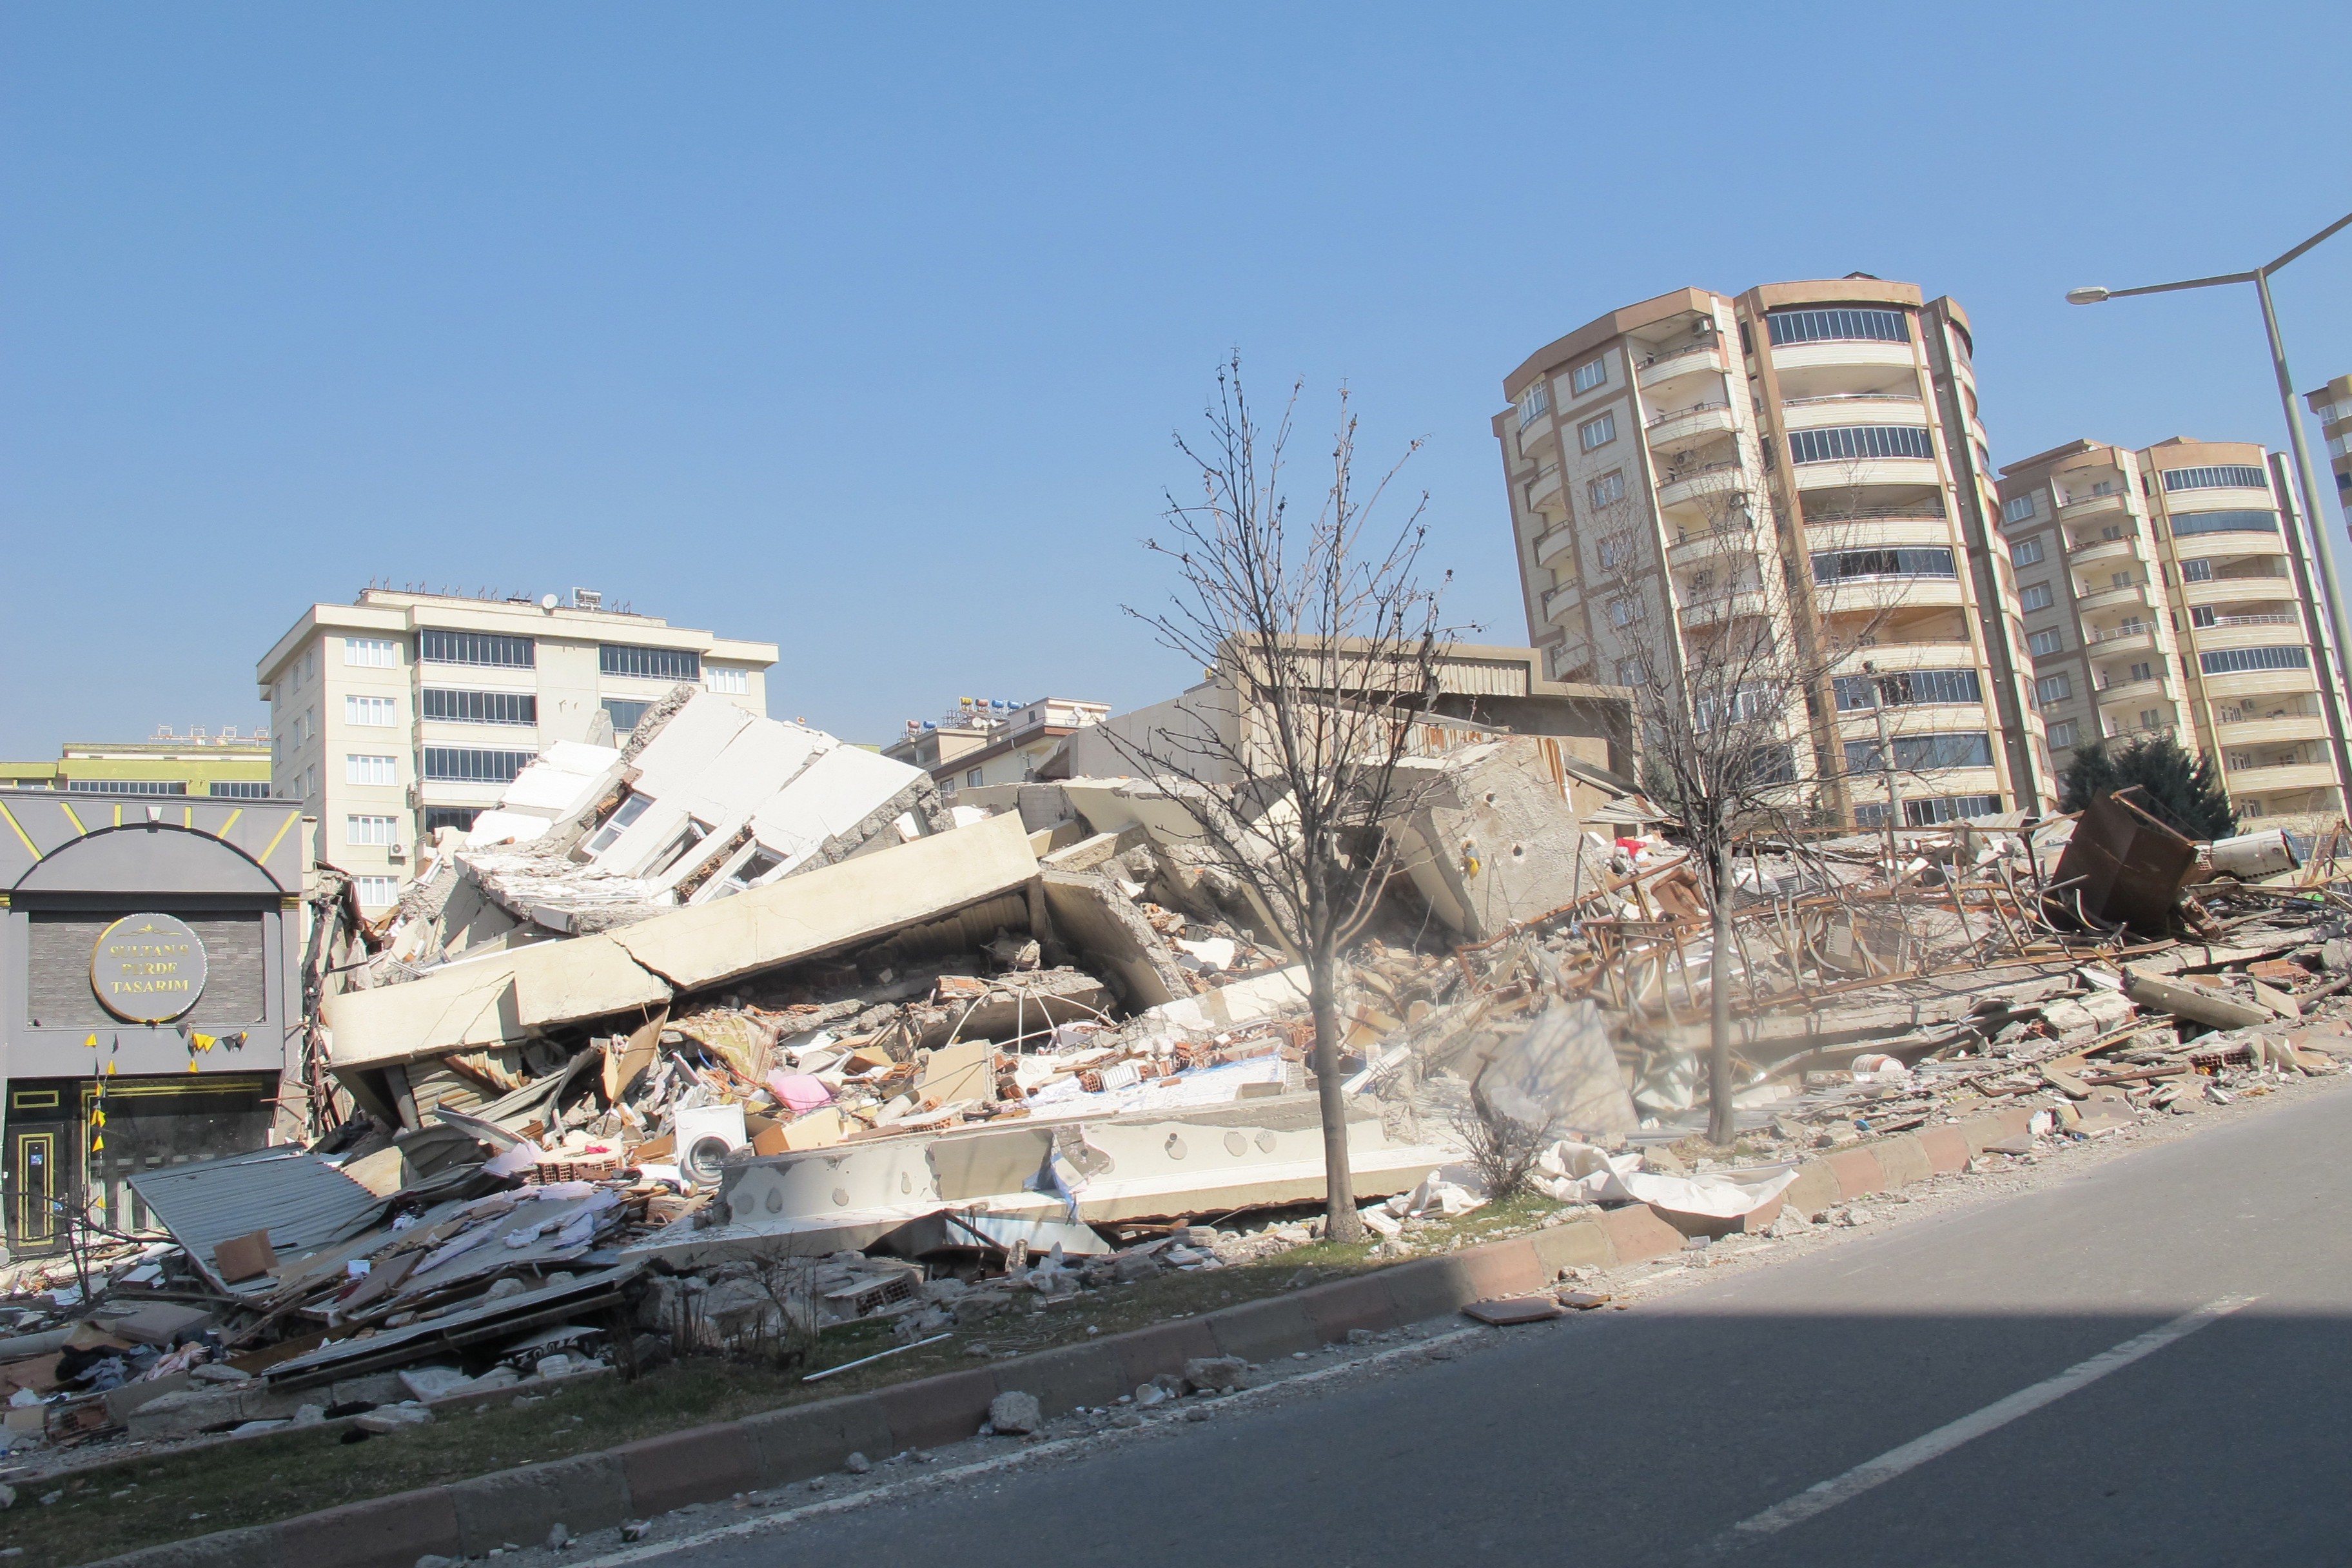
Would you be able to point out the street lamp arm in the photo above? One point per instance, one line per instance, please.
(2307, 244)
(2190, 283)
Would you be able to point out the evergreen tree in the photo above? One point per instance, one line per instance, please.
(2181, 791)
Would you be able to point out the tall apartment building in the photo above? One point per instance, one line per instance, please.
(405, 712)
(223, 767)
(1810, 454)
(2331, 406)
(2172, 590)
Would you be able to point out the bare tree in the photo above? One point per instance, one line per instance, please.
(1328, 642)
(1732, 672)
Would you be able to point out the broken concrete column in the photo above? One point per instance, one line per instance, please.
(1489, 838)
(1095, 918)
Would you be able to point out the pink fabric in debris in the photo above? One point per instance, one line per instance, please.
(799, 1091)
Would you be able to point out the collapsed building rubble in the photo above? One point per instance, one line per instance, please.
(713, 1045)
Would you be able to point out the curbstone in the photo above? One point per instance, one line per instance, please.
(1947, 1149)
(382, 1532)
(1858, 1173)
(589, 1492)
(933, 1411)
(1504, 1268)
(1757, 1221)
(1989, 1128)
(258, 1547)
(702, 1464)
(804, 1440)
(1144, 1353)
(1578, 1243)
(1903, 1160)
(1361, 1302)
(1262, 1329)
(1815, 1189)
(1065, 1378)
(1427, 1288)
(1638, 1234)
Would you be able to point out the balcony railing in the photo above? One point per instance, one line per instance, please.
(1903, 511)
(1667, 356)
(2128, 629)
(1657, 419)
(1850, 397)
(2265, 620)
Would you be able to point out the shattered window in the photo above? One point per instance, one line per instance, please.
(626, 714)
(630, 810)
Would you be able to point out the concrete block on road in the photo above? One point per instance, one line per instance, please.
(1947, 1149)
(1427, 1288)
(1858, 1173)
(1903, 1160)
(1578, 1243)
(589, 1492)
(1815, 1189)
(1637, 1234)
(700, 1465)
(1504, 1268)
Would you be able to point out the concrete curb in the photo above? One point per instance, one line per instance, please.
(796, 1443)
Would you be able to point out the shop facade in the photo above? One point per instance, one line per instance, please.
(150, 990)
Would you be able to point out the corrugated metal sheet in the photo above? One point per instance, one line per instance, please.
(1482, 676)
(303, 1202)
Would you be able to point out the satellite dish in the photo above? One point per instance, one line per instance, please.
(547, 601)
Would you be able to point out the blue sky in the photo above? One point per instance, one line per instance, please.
(867, 335)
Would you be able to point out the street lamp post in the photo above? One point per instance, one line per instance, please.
(2306, 477)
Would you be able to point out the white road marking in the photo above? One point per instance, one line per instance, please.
(1828, 1494)
(651, 1550)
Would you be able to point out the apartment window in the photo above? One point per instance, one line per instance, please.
(1534, 404)
(2249, 808)
(1922, 754)
(2026, 551)
(360, 768)
(2034, 596)
(127, 786)
(480, 707)
(372, 653)
(1907, 688)
(971, 777)
(727, 681)
(371, 713)
(649, 663)
(2230, 660)
(460, 817)
(1608, 488)
(2202, 616)
(1842, 566)
(692, 834)
(1598, 432)
(2104, 488)
(1853, 443)
(1823, 326)
(2054, 688)
(310, 781)
(2061, 735)
(618, 823)
(239, 789)
(476, 647)
(2225, 476)
(2143, 670)
(2197, 571)
(372, 830)
(1592, 373)
(2225, 522)
(1624, 612)
(469, 764)
(1948, 808)
(1614, 550)
(376, 892)
(759, 864)
(625, 714)
(2151, 718)
(2120, 579)
(1629, 672)
(2017, 509)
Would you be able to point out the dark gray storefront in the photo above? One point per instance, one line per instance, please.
(149, 990)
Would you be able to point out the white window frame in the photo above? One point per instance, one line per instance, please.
(2017, 509)
(367, 830)
(2055, 688)
(2035, 596)
(372, 769)
(1534, 404)
(376, 892)
(2026, 551)
(1608, 490)
(371, 713)
(2064, 734)
(2048, 635)
(1598, 431)
(1592, 373)
(372, 653)
(731, 680)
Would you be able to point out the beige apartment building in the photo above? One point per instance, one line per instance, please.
(993, 742)
(403, 712)
(2171, 591)
(2331, 406)
(1808, 455)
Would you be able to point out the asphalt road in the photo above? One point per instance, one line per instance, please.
(1646, 1436)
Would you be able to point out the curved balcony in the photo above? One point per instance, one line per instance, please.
(1551, 543)
(2156, 688)
(1697, 359)
(2250, 631)
(2274, 732)
(1843, 351)
(2198, 546)
(1560, 601)
(1849, 408)
(2228, 590)
(2232, 498)
(2281, 775)
(2106, 553)
(1723, 478)
(1563, 657)
(1862, 472)
(1859, 534)
(1856, 596)
(2259, 683)
(1701, 545)
(2084, 507)
(1683, 424)
(1544, 487)
(2112, 598)
(1719, 608)
(1890, 657)
(2120, 640)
